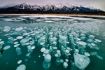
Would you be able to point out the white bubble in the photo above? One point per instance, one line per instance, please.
(21, 67)
(42, 49)
(18, 51)
(19, 37)
(65, 64)
(19, 29)
(81, 61)
(7, 29)
(19, 61)
(7, 47)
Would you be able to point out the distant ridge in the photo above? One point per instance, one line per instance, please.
(49, 9)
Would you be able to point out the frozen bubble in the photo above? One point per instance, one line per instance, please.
(6, 47)
(59, 53)
(82, 38)
(33, 47)
(46, 51)
(42, 49)
(28, 54)
(99, 57)
(67, 51)
(7, 29)
(81, 61)
(90, 40)
(56, 55)
(32, 42)
(65, 64)
(55, 48)
(15, 42)
(81, 43)
(83, 35)
(19, 29)
(24, 41)
(93, 53)
(1, 45)
(1, 42)
(50, 33)
(19, 37)
(46, 65)
(63, 37)
(76, 51)
(8, 20)
(91, 36)
(87, 54)
(29, 48)
(0, 39)
(39, 56)
(18, 51)
(61, 60)
(54, 43)
(19, 61)
(42, 43)
(24, 34)
(49, 21)
(34, 61)
(93, 44)
(21, 67)
(66, 60)
(97, 41)
(47, 58)
(16, 45)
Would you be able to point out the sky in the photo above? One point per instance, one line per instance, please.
(100, 4)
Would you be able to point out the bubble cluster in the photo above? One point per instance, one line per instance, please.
(60, 45)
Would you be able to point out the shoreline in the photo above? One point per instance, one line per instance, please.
(59, 15)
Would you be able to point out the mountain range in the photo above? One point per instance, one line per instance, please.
(49, 9)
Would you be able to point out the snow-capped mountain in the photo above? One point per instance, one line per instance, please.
(25, 8)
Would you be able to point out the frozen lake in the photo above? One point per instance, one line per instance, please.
(52, 43)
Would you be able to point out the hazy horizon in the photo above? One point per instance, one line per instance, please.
(99, 4)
